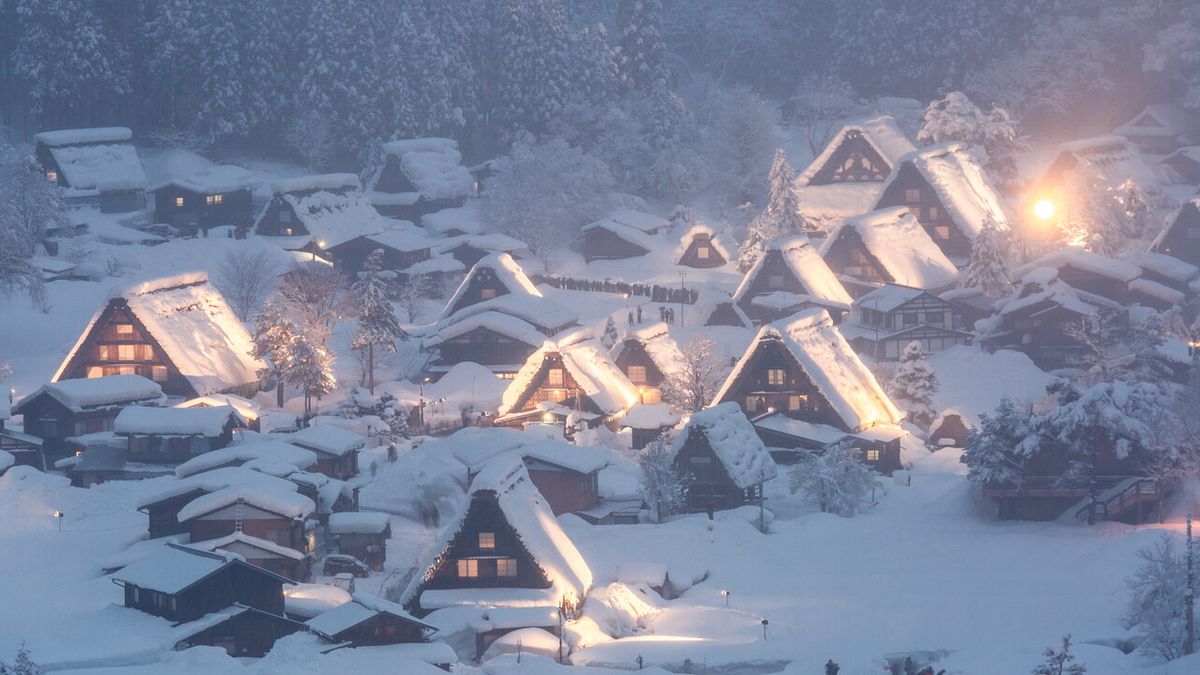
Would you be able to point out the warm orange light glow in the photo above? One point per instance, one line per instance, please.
(1044, 209)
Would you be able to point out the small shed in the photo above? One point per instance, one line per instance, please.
(57, 411)
(623, 233)
(363, 535)
(174, 435)
(336, 449)
(268, 555)
(370, 620)
(700, 247)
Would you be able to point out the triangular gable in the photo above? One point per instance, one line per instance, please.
(498, 272)
(902, 250)
(804, 263)
(687, 253)
(656, 342)
(733, 441)
(604, 388)
(878, 140)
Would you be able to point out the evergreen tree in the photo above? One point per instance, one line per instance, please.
(1000, 447)
(539, 56)
(222, 104)
(760, 232)
(309, 367)
(664, 486)
(641, 51)
(991, 135)
(450, 24)
(783, 207)
(172, 66)
(913, 386)
(377, 322)
(987, 269)
(274, 333)
(609, 338)
(29, 205)
(270, 62)
(1060, 662)
(835, 481)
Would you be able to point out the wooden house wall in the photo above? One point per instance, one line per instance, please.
(279, 220)
(565, 490)
(539, 390)
(848, 255)
(485, 347)
(773, 275)
(691, 255)
(1098, 284)
(633, 353)
(484, 281)
(928, 210)
(49, 164)
(724, 315)
(234, 209)
(53, 422)
(166, 448)
(232, 584)
(255, 522)
(382, 629)
(392, 179)
(710, 485)
(952, 428)
(341, 467)
(163, 516)
(602, 244)
(1182, 241)
(351, 256)
(1188, 169)
(753, 392)
(1038, 331)
(422, 207)
(148, 353)
(248, 634)
(854, 160)
(484, 515)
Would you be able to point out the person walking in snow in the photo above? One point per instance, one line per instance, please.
(831, 668)
(631, 317)
(639, 314)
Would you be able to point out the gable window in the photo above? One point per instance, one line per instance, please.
(468, 569)
(52, 176)
(95, 371)
(554, 378)
(797, 401)
(637, 374)
(217, 199)
(126, 352)
(933, 213)
(287, 231)
(941, 232)
(158, 373)
(487, 293)
(915, 212)
(124, 329)
(179, 202)
(776, 377)
(702, 252)
(775, 281)
(487, 540)
(912, 195)
(506, 567)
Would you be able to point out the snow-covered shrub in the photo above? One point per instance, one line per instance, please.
(1060, 661)
(1157, 610)
(664, 486)
(700, 374)
(836, 481)
(913, 386)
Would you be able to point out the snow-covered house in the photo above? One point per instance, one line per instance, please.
(647, 422)
(336, 449)
(249, 410)
(567, 381)
(702, 248)
(420, 176)
(567, 476)
(363, 535)
(1165, 279)
(845, 179)
(790, 276)
(1184, 165)
(57, 411)
(284, 561)
(505, 551)
(724, 457)
(213, 196)
(177, 331)
(887, 246)
(492, 276)
(804, 387)
(162, 507)
(264, 510)
(1160, 128)
(312, 213)
(647, 354)
(406, 248)
(947, 191)
(95, 166)
(623, 233)
(885, 320)
(173, 435)
(218, 598)
(469, 249)
(716, 308)
(1180, 239)
(1113, 158)
(368, 620)
(271, 456)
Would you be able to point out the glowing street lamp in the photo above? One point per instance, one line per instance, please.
(58, 515)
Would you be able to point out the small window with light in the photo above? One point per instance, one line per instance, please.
(487, 293)
(468, 569)
(872, 455)
(912, 195)
(554, 378)
(506, 567)
(487, 540)
(179, 202)
(702, 252)
(776, 376)
(52, 176)
(637, 374)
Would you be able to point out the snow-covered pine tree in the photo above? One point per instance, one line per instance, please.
(609, 338)
(664, 486)
(1135, 207)
(1060, 661)
(760, 231)
(641, 50)
(274, 333)
(270, 62)
(783, 207)
(172, 64)
(834, 481)
(539, 54)
(221, 112)
(309, 367)
(914, 384)
(999, 448)
(987, 269)
(1157, 604)
(692, 385)
(451, 22)
(992, 135)
(377, 322)
(29, 205)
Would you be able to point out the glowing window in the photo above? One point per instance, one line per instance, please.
(158, 373)
(912, 195)
(775, 376)
(933, 213)
(95, 371)
(126, 352)
(179, 202)
(702, 253)
(637, 374)
(487, 540)
(506, 567)
(797, 401)
(287, 231)
(487, 293)
(217, 199)
(941, 232)
(555, 377)
(124, 329)
(872, 455)
(468, 569)
(52, 176)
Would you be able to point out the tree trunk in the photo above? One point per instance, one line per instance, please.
(371, 369)
(279, 392)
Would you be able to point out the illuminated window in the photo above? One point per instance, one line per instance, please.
(872, 455)
(912, 196)
(105, 353)
(468, 569)
(95, 371)
(797, 401)
(775, 376)
(179, 202)
(217, 199)
(487, 293)
(651, 396)
(208, 199)
(555, 377)
(52, 176)
(144, 352)
(126, 352)
(775, 281)
(941, 232)
(702, 253)
(487, 540)
(933, 213)
(287, 231)
(506, 567)
(637, 374)
(915, 212)
(124, 329)
(158, 373)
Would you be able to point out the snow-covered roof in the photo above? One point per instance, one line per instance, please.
(658, 343)
(902, 246)
(249, 410)
(273, 456)
(646, 242)
(203, 421)
(96, 159)
(211, 180)
(286, 503)
(734, 442)
(195, 327)
(95, 392)
(588, 364)
(358, 522)
(236, 541)
(309, 600)
(650, 416)
(467, 218)
(362, 607)
(888, 297)
(882, 133)
(507, 272)
(1158, 119)
(1115, 159)
(335, 217)
(690, 234)
(327, 439)
(638, 220)
(961, 186)
(542, 313)
(1095, 263)
(538, 530)
(1166, 265)
(493, 241)
(709, 299)
(1191, 152)
(827, 359)
(327, 181)
(779, 423)
(807, 265)
(173, 568)
(403, 236)
(434, 165)
(826, 205)
(581, 458)
(504, 324)
(1193, 204)
(213, 480)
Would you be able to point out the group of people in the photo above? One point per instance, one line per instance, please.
(665, 314)
(908, 668)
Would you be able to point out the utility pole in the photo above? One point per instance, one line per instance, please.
(1190, 600)
(682, 292)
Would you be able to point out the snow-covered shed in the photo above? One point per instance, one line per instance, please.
(715, 307)
(791, 275)
(162, 507)
(337, 449)
(647, 355)
(420, 176)
(947, 191)
(622, 233)
(572, 376)
(566, 475)
(728, 463)
(804, 369)
(172, 435)
(215, 195)
(701, 247)
(362, 534)
(284, 561)
(1160, 128)
(311, 213)
(274, 457)
(1180, 238)
(887, 246)
(370, 620)
(177, 331)
(65, 408)
(1184, 165)
(506, 550)
(492, 276)
(95, 166)
(845, 178)
(885, 320)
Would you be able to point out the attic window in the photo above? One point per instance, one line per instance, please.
(776, 377)
(487, 293)
(554, 378)
(912, 195)
(702, 252)
(52, 176)
(124, 328)
(179, 202)
(933, 213)
(158, 373)
(941, 232)
(637, 374)
(468, 569)
(506, 567)
(797, 401)
(487, 540)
